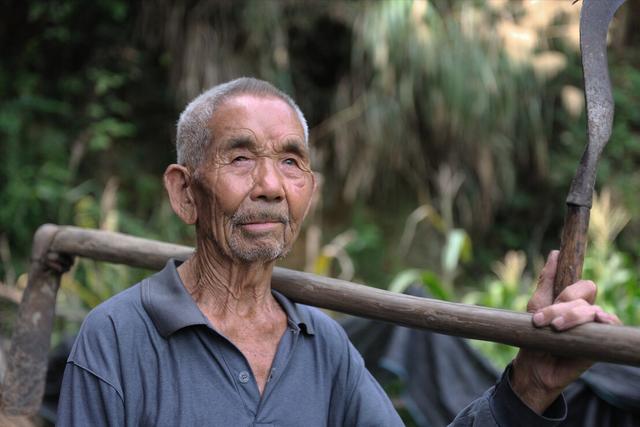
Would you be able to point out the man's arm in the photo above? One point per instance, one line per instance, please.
(368, 405)
(357, 399)
(87, 400)
(500, 406)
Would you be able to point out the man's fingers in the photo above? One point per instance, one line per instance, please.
(583, 289)
(608, 318)
(577, 316)
(60, 263)
(567, 315)
(545, 316)
(543, 295)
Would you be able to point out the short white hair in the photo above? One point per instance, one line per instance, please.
(193, 136)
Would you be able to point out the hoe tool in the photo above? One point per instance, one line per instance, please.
(594, 24)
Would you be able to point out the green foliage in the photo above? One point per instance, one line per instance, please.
(609, 267)
(435, 89)
(510, 289)
(430, 280)
(45, 118)
(73, 94)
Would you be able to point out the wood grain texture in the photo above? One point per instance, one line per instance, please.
(572, 248)
(24, 380)
(617, 344)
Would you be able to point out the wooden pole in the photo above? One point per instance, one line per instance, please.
(617, 344)
(573, 247)
(24, 380)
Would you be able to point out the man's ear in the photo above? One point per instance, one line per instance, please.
(177, 182)
(316, 182)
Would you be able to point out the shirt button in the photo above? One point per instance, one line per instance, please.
(243, 377)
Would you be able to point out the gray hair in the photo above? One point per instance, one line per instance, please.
(193, 135)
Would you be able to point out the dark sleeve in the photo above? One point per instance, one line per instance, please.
(500, 406)
(87, 400)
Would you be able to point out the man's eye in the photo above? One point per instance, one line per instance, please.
(240, 159)
(291, 162)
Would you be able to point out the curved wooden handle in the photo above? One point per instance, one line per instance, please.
(24, 381)
(572, 248)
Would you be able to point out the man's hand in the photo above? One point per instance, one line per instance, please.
(58, 262)
(538, 378)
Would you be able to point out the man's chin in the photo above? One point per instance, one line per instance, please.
(262, 253)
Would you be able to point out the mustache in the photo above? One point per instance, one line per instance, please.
(247, 216)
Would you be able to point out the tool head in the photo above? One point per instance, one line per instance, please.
(595, 17)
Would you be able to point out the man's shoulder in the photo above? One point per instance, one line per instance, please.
(121, 306)
(107, 326)
(106, 334)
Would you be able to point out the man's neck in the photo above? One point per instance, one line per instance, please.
(236, 298)
(225, 289)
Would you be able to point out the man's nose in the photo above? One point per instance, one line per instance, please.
(269, 182)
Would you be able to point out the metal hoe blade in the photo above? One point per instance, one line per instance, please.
(594, 24)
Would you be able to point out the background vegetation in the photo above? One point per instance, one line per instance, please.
(445, 133)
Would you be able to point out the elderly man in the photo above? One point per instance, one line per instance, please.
(208, 342)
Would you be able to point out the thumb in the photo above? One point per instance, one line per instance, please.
(543, 295)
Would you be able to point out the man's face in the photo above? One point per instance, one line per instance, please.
(254, 189)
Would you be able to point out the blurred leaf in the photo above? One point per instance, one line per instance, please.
(405, 279)
(457, 248)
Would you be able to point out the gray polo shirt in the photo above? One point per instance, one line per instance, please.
(148, 356)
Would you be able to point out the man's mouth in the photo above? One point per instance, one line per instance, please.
(261, 226)
(260, 221)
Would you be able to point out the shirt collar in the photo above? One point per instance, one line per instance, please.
(297, 317)
(171, 308)
(168, 303)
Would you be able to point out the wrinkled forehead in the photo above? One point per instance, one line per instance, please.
(265, 119)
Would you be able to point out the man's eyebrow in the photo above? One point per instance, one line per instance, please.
(295, 147)
(239, 142)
